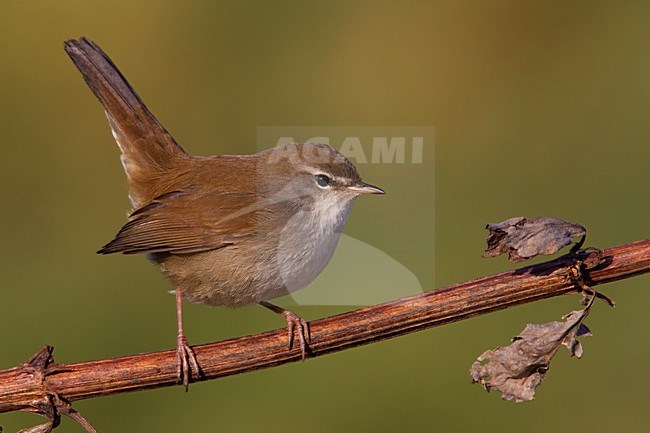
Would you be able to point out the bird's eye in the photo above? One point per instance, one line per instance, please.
(322, 180)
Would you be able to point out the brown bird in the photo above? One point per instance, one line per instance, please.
(228, 230)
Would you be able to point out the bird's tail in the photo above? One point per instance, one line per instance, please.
(148, 150)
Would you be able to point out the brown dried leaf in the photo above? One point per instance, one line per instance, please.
(523, 239)
(518, 369)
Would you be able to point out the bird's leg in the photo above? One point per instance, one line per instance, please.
(293, 322)
(185, 356)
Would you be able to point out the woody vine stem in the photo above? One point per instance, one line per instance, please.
(46, 388)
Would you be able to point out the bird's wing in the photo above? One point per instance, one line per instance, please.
(187, 221)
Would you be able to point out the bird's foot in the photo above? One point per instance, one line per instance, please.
(294, 322)
(185, 358)
(297, 323)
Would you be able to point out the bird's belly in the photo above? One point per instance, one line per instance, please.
(271, 264)
(242, 275)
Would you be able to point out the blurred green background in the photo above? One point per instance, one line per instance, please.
(540, 108)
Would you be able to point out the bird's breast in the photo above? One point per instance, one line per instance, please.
(307, 242)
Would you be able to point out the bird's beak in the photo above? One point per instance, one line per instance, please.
(365, 188)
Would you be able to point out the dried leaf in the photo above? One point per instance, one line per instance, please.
(523, 239)
(518, 369)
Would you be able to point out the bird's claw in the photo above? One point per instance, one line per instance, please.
(295, 322)
(185, 358)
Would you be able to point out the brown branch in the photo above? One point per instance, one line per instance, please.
(41, 386)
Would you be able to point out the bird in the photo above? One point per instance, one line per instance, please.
(225, 230)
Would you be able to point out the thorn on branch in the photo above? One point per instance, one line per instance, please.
(50, 405)
(583, 260)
